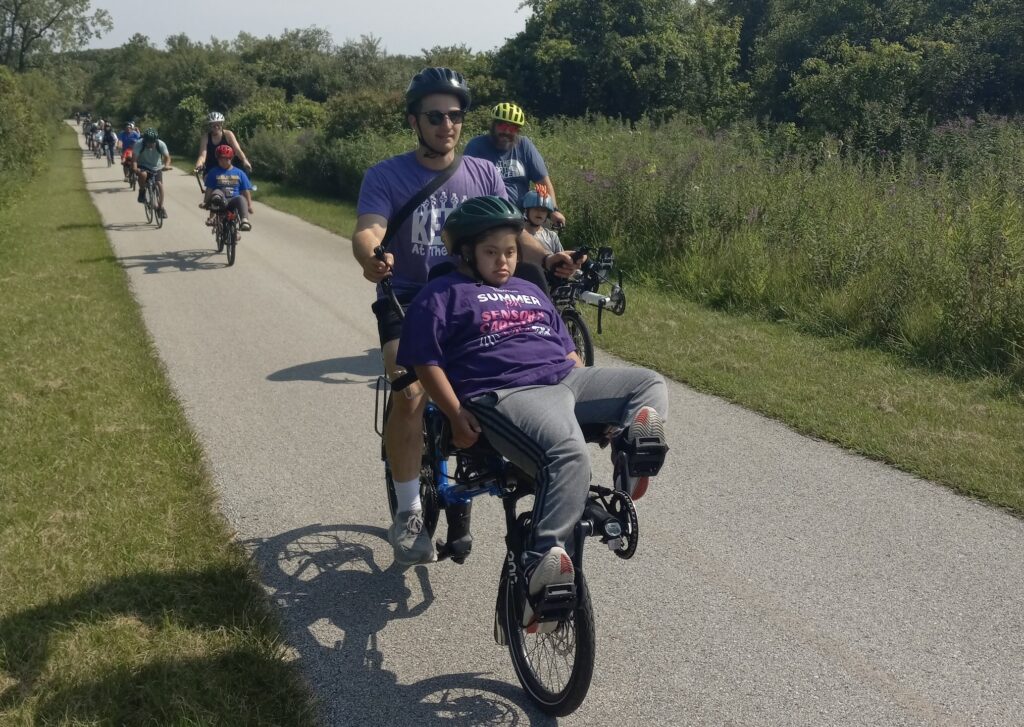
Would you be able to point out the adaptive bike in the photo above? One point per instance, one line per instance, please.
(583, 286)
(225, 222)
(554, 664)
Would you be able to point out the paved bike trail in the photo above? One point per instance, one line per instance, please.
(779, 580)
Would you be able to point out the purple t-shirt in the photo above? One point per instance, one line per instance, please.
(486, 338)
(417, 246)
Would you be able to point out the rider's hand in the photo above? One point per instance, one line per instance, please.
(557, 220)
(465, 429)
(562, 264)
(247, 165)
(376, 270)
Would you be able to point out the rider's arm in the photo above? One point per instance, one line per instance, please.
(248, 200)
(560, 263)
(465, 428)
(201, 159)
(369, 232)
(229, 136)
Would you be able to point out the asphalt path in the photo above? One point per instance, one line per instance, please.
(779, 580)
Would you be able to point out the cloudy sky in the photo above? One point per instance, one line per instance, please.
(404, 26)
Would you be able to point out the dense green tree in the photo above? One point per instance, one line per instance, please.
(622, 58)
(29, 29)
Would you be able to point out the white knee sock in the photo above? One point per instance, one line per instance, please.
(408, 495)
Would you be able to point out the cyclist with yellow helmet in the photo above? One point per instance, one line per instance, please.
(515, 156)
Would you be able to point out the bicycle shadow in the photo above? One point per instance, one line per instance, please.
(369, 365)
(335, 600)
(182, 261)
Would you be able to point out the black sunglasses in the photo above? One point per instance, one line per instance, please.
(436, 118)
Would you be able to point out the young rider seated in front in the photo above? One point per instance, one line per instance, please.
(538, 207)
(233, 186)
(492, 353)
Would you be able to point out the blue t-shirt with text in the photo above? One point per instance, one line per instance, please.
(417, 245)
(231, 181)
(518, 165)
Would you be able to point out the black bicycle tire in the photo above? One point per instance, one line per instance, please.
(231, 241)
(156, 212)
(571, 697)
(218, 234)
(580, 334)
(148, 204)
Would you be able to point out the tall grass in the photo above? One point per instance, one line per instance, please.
(921, 256)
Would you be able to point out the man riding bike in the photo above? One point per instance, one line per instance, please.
(436, 103)
(232, 185)
(150, 157)
(494, 356)
(109, 141)
(515, 155)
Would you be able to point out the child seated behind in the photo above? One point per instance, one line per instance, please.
(493, 354)
(537, 208)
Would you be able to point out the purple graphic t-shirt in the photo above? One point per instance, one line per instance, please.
(486, 338)
(417, 246)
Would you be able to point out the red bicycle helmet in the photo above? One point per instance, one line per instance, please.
(224, 150)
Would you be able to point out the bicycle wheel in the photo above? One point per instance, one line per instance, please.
(156, 213)
(148, 205)
(131, 180)
(577, 328)
(220, 234)
(555, 668)
(230, 235)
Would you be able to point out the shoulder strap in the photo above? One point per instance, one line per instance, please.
(417, 199)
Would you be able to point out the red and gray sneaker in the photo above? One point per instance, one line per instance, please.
(644, 439)
(554, 568)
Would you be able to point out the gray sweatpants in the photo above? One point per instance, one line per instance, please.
(538, 429)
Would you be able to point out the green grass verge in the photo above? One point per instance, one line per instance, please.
(965, 433)
(331, 214)
(122, 598)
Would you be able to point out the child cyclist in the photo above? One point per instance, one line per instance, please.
(538, 207)
(492, 353)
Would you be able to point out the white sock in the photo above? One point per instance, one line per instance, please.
(408, 495)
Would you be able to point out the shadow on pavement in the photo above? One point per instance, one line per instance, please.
(173, 261)
(369, 365)
(118, 226)
(336, 599)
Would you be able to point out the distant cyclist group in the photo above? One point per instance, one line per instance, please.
(144, 157)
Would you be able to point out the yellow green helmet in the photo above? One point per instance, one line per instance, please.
(509, 113)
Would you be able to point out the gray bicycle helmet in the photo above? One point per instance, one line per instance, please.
(474, 217)
(215, 117)
(437, 80)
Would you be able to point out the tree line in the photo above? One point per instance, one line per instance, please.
(877, 74)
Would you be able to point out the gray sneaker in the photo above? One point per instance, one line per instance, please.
(410, 539)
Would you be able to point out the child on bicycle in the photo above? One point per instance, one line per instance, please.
(492, 353)
(538, 207)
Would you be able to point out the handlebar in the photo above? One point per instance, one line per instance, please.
(386, 286)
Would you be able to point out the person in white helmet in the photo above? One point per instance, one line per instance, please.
(214, 136)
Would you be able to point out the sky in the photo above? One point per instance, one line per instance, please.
(404, 26)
